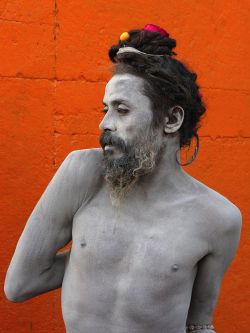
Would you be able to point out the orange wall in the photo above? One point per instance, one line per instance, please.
(53, 69)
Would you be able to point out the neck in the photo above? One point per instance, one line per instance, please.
(168, 176)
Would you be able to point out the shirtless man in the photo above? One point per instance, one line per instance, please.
(150, 244)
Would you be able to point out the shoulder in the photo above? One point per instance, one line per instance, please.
(219, 211)
(222, 217)
(83, 168)
(83, 158)
(225, 215)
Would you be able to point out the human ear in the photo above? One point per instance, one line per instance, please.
(174, 119)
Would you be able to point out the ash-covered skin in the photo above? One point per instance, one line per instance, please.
(123, 172)
(159, 265)
(131, 148)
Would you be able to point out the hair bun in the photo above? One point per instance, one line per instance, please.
(152, 39)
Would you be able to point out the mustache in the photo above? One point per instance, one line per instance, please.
(106, 138)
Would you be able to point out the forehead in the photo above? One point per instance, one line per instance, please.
(125, 86)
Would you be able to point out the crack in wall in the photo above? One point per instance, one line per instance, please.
(55, 82)
(22, 22)
(211, 137)
(52, 79)
(55, 33)
(221, 137)
(84, 79)
(225, 89)
(75, 133)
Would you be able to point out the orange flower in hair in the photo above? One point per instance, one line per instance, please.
(124, 36)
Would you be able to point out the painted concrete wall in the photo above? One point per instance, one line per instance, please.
(53, 69)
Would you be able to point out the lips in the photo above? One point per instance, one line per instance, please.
(108, 147)
(111, 142)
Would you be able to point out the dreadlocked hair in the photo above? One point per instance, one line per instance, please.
(167, 81)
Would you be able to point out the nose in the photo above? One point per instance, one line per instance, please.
(107, 123)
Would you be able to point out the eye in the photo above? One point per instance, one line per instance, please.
(122, 110)
(105, 110)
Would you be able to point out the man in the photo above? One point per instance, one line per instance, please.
(152, 258)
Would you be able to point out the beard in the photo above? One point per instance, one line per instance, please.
(136, 160)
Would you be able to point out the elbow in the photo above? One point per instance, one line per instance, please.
(13, 290)
(12, 295)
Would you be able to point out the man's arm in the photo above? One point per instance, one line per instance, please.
(36, 267)
(49, 280)
(213, 266)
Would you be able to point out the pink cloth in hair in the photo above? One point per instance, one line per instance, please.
(156, 28)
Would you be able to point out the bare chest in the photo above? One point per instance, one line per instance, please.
(156, 244)
(141, 263)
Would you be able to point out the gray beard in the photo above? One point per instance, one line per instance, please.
(123, 173)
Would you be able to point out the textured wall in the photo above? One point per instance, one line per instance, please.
(53, 69)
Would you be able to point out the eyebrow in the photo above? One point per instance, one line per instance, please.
(118, 101)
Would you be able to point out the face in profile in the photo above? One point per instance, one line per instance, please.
(131, 146)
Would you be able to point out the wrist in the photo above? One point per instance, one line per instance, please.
(202, 331)
(200, 328)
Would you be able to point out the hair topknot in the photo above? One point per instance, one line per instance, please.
(145, 41)
(167, 80)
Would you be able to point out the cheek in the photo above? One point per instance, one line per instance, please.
(141, 122)
(127, 127)
(131, 131)
(135, 125)
(134, 133)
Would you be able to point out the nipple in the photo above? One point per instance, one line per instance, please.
(175, 267)
(83, 243)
